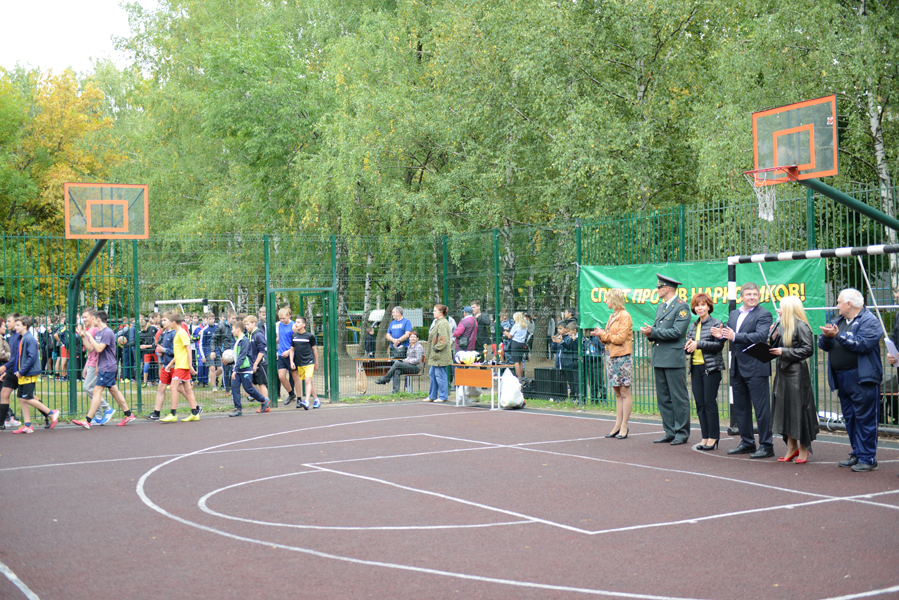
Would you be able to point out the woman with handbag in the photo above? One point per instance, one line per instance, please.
(618, 338)
(793, 404)
(706, 366)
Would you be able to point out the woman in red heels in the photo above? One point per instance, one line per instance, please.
(792, 403)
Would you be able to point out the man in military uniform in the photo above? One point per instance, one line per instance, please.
(668, 335)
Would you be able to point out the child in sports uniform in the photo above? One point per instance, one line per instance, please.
(181, 369)
(166, 350)
(103, 343)
(242, 372)
(28, 371)
(89, 373)
(7, 373)
(213, 366)
(303, 361)
(284, 333)
(258, 351)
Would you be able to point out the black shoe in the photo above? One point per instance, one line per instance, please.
(742, 449)
(236, 413)
(613, 434)
(663, 440)
(678, 442)
(865, 467)
(762, 453)
(290, 399)
(733, 431)
(623, 437)
(199, 409)
(707, 448)
(850, 462)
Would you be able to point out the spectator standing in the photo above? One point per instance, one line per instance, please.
(517, 335)
(793, 412)
(485, 325)
(706, 366)
(852, 341)
(618, 337)
(466, 332)
(668, 336)
(398, 333)
(439, 355)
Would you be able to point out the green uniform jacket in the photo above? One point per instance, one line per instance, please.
(669, 334)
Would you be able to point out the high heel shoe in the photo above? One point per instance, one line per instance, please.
(790, 457)
(707, 448)
(802, 460)
(613, 434)
(622, 437)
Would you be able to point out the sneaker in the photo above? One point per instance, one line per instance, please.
(191, 418)
(24, 429)
(153, 417)
(290, 398)
(12, 422)
(303, 403)
(107, 416)
(95, 420)
(199, 409)
(439, 400)
(215, 389)
(126, 420)
(265, 407)
(858, 467)
(84, 424)
(54, 418)
(236, 413)
(126, 381)
(169, 418)
(316, 404)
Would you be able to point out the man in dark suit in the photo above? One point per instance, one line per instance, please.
(749, 324)
(668, 334)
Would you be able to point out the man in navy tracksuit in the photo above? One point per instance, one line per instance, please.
(852, 341)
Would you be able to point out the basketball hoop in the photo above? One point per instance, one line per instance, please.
(764, 184)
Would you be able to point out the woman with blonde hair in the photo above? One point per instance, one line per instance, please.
(793, 403)
(618, 338)
(517, 336)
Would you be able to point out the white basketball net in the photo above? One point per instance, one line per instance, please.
(766, 194)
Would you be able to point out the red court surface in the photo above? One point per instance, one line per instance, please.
(422, 500)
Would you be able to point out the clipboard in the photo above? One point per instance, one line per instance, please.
(760, 351)
(891, 347)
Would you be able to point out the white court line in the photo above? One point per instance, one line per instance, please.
(514, 583)
(202, 503)
(18, 582)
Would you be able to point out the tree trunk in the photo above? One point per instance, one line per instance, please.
(343, 276)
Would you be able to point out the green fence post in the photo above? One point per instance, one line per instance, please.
(582, 388)
(810, 245)
(681, 233)
(271, 351)
(497, 300)
(138, 359)
(445, 272)
(334, 396)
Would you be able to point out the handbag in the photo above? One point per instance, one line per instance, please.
(398, 352)
(463, 342)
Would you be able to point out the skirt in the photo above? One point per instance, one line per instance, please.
(620, 370)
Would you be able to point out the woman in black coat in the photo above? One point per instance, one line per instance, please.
(793, 403)
(706, 365)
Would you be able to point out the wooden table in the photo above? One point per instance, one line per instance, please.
(480, 376)
(374, 367)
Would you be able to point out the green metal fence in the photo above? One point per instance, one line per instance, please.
(532, 269)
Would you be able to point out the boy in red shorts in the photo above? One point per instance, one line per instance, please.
(181, 369)
(165, 351)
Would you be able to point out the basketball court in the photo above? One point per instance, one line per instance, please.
(421, 500)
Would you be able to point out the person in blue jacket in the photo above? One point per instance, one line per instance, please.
(854, 370)
(27, 373)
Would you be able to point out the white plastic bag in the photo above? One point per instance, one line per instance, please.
(510, 395)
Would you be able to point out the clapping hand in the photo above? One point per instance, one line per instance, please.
(776, 351)
(690, 346)
(830, 330)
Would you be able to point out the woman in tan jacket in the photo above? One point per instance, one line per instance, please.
(618, 338)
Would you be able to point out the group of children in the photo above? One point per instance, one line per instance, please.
(164, 339)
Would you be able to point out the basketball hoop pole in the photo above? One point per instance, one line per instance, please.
(850, 202)
(73, 291)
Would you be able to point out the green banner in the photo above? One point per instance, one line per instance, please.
(803, 278)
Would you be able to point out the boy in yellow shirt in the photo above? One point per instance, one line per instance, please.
(183, 369)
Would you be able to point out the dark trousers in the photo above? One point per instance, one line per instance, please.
(127, 361)
(569, 376)
(860, 405)
(397, 370)
(752, 393)
(674, 407)
(705, 395)
(246, 380)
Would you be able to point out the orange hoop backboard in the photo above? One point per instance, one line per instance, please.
(106, 211)
(803, 135)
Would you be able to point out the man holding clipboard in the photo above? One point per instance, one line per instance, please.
(748, 325)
